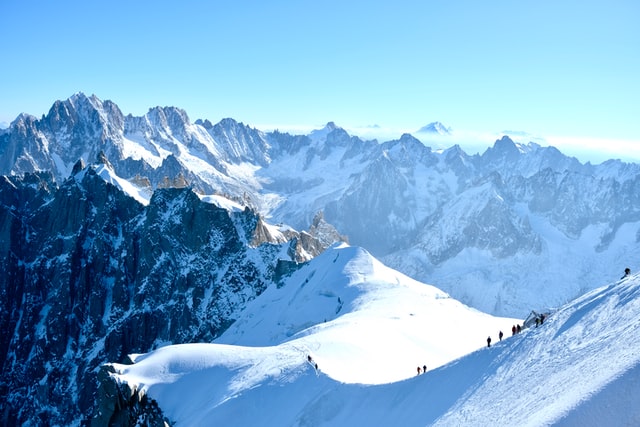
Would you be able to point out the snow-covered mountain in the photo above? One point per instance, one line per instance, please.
(436, 128)
(123, 234)
(94, 269)
(340, 342)
(498, 231)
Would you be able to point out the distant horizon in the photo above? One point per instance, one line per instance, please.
(472, 142)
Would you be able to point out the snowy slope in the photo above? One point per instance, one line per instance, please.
(354, 315)
(107, 173)
(362, 322)
(579, 368)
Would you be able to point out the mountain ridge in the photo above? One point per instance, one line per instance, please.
(379, 195)
(93, 271)
(578, 367)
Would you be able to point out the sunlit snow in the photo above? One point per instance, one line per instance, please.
(580, 367)
(369, 328)
(142, 195)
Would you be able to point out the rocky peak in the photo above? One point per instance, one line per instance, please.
(98, 276)
(408, 150)
(79, 166)
(324, 232)
(240, 143)
(102, 159)
(169, 120)
(204, 123)
(320, 135)
(502, 148)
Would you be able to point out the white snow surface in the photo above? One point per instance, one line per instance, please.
(368, 328)
(221, 202)
(106, 172)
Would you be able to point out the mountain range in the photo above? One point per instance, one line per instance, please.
(478, 226)
(123, 234)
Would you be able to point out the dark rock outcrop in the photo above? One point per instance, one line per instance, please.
(91, 275)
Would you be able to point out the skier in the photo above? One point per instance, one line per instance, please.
(513, 330)
(419, 370)
(424, 369)
(500, 335)
(518, 328)
(488, 341)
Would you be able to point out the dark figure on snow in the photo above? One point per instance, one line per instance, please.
(500, 335)
(537, 321)
(419, 371)
(316, 366)
(541, 319)
(513, 330)
(518, 328)
(309, 358)
(627, 272)
(488, 341)
(424, 369)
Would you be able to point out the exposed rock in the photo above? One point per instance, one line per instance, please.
(91, 275)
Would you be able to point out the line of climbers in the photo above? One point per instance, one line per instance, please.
(515, 329)
(539, 318)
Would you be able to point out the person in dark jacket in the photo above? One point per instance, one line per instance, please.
(500, 335)
(627, 272)
(488, 341)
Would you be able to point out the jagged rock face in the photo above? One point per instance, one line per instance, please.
(393, 198)
(119, 405)
(392, 190)
(24, 147)
(384, 193)
(485, 222)
(380, 205)
(91, 275)
(240, 143)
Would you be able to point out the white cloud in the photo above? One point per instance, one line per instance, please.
(585, 149)
(597, 150)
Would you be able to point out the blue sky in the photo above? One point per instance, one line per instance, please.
(567, 71)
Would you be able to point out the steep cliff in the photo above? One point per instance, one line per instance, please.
(92, 275)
